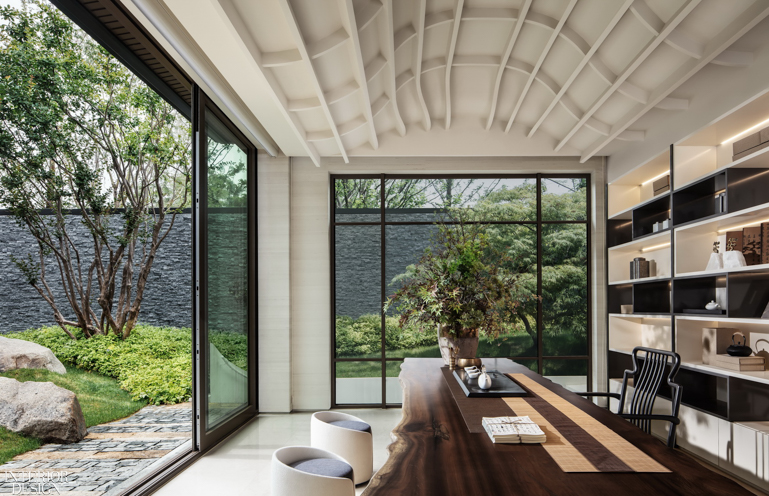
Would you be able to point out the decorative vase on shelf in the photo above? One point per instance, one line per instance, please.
(716, 262)
(734, 259)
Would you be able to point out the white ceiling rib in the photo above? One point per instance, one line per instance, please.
(352, 76)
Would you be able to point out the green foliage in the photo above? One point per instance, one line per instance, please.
(100, 399)
(362, 336)
(233, 346)
(12, 444)
(461, 282)
(78, 130)
(152, 364)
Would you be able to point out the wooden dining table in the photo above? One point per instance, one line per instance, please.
(435, 453)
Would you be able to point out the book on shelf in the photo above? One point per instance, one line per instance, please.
(765, 243)
(742, 364)
(513, 430)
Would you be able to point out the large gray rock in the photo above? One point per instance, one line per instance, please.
(20, 354)
(41, 409)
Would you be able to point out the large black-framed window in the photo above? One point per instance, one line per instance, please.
(382, 223)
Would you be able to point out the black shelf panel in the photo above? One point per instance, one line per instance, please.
(695, 292)
(746, 188)
(618, 232)
(704, 392)
(748, 294)
(652, 297)
(618, 295)
(697, 201)
(645, 216)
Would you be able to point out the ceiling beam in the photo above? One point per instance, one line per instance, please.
(234, 23)
(421, 10)
(542, 57)
(450, 57)
(652, 45)
(577, 70)
(505, 57)
(734, 31)
(359, 70)
(293, 27)
(389, 55)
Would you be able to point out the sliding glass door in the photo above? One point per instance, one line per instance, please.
(225, 274)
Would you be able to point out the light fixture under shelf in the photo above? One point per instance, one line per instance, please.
(656, 247)
(655, 178)
(732, 228)
(745, 132)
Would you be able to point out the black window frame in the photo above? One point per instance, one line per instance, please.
(383, 223)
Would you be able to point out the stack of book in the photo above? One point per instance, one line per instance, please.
(743, 364)
(513, 430)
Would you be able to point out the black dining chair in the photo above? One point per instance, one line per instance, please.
(655, 366)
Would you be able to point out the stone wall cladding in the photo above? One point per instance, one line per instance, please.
(167, 298)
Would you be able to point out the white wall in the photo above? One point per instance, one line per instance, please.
(308, 330)
(274, 365)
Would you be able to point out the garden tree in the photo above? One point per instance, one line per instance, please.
(79, 131)
(411, 193)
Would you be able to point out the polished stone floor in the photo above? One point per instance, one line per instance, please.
(241, 465)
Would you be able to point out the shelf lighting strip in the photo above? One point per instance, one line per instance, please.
(655, 178)
(745, 132)
(656, 247)
(743, 225)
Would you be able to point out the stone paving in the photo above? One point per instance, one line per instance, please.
(109, 455)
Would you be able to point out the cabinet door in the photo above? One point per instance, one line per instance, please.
(743, 452)
(698, 433)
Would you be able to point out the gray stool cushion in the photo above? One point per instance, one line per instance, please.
(324, 466)
(352, 425)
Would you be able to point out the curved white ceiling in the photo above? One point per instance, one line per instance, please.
(528, 77)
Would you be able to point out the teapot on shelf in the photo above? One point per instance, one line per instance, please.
(739, 350)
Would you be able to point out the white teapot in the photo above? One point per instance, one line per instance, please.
(484, 380)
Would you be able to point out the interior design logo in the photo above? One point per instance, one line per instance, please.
(34, 482)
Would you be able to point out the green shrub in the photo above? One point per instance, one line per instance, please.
(153, 364)
(362, 336)
(233, 346)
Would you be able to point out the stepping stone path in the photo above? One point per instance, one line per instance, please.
(110, 454)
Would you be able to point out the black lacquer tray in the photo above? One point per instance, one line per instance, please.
(501, 386)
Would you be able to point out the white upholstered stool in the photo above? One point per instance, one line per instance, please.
(305, 471)
(348, 437)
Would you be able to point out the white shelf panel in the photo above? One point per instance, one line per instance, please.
(640, 244)
(762, 377)
(720, 318)
(735, 219)
(626, 351)
(638, 316)
(747, 268)
(642, 279)
(756, 160)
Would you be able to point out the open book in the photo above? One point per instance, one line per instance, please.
(512, 430)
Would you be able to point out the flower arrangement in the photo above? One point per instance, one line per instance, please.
(459, 284)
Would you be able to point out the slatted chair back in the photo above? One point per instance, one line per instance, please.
(650, 371)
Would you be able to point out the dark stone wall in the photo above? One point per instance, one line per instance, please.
(358, 259)
(167, 298)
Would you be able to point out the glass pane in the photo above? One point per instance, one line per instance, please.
(571, 374)
(531, 364)
(394, 390)
(358, 292)
(357, 200)
(564, 199)
(227, 297)
(404, 246)
(518, 245)
(358, 383)
(489, 199)
(564, 289)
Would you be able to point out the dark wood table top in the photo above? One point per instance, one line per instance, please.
(434, 453)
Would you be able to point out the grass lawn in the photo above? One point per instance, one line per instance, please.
(100, 399)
